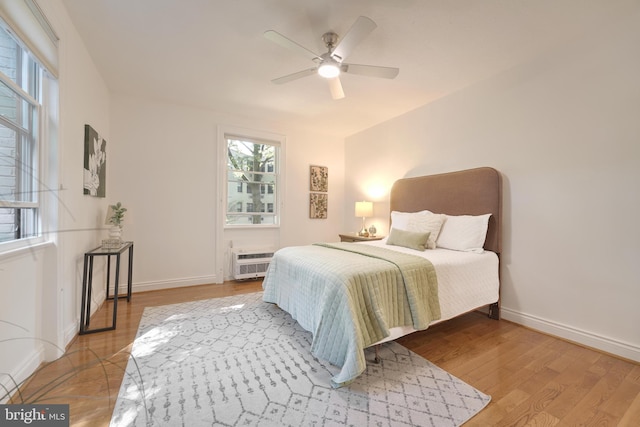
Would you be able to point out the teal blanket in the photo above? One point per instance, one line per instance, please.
(349, 296)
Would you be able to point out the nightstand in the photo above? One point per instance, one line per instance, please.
(353, 237)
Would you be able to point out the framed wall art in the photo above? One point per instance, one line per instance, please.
(95, 163)
(319, 178)
(319, 186)
(318, 205)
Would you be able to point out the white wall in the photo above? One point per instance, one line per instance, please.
(41, 285)
(21, 282)
(84, 99)
(564, 131)
(167, 176)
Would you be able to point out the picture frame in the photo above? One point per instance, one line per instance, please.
(319, 178)
(95, 163)
(318, 205)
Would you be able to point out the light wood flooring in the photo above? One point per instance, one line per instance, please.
(534, 379)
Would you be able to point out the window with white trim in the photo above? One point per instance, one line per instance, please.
(252, 165)
(20, 95)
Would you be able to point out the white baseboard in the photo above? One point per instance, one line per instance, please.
(71, 331)
(586, 338)
(170, 283)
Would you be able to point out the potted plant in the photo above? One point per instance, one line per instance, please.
(115, 216)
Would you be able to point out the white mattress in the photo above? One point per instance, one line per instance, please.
(466, 280)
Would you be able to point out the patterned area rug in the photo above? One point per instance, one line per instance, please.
(238, 361)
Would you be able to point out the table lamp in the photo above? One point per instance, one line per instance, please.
(364, 210)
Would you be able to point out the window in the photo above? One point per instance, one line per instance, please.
(252, 164)
(20, 89)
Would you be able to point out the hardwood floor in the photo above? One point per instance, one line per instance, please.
(533, 379)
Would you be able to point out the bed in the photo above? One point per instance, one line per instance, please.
(440, 260)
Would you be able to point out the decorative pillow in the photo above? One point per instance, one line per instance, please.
(421, 222)
(408, 239)
(464, 232)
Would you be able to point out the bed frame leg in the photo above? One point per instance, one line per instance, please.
(494, 311)
(377, 358)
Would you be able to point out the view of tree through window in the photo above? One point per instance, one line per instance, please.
(252, 171)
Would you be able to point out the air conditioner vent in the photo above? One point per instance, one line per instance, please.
(250, 264)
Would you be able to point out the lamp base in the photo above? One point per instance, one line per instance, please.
(363, 233)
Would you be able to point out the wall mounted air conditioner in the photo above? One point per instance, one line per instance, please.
(249, 264)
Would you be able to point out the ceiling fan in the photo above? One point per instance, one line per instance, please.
(330, 64)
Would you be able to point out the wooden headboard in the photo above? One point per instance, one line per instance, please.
(468, 192)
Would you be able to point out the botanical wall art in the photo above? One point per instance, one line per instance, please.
(318, 197)
(318, 205)
(95, 163)
(319, 178)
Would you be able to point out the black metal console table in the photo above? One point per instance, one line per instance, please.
(87, 279)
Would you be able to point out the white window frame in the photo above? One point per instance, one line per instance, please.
(39, 165)
(257, 136)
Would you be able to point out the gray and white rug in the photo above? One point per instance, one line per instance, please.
(238, 361)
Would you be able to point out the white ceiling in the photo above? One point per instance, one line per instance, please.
(212, 54)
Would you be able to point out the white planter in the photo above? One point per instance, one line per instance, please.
(115, 232)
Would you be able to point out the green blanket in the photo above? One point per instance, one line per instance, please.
(349, 296)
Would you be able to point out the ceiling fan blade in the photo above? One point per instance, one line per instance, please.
(336, 88)
(358, 31)
(287, 43)
(295, 76)
(371, 70)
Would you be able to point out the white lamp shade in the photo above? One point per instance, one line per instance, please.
(364, 209)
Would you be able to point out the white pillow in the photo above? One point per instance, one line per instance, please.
(420, 222)
(464, 232)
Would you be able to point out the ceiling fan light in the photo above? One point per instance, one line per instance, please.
(329, 70)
